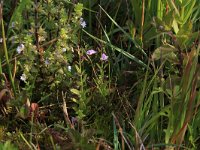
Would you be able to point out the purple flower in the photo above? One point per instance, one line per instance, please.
(91, 52)
(74, 120)
(46, 62)
(104, 57)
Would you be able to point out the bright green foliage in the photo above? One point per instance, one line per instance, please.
(7, 146)
(46, 67)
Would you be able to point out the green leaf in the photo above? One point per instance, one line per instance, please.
(75, 91)
(166, 52)
(23, 113)
(80, 114)
(78, 9)
(168, 19)
(74, 100)
(184, 34)
(175, 26)
(78, 69)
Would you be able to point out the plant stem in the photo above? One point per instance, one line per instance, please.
(7, 59)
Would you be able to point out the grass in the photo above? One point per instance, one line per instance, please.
(139, 89)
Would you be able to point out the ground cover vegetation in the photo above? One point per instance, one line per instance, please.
(99, 74)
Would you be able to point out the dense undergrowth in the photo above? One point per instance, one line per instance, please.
(106, 74)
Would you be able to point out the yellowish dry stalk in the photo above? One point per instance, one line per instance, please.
(66, 115)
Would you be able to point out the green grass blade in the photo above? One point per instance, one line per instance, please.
(18, 12)
(7, 58)
(0, 67)
(116, 141)
(188, 11)
(28, 144)
(125, 33)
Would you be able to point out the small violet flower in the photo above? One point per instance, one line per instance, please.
(82, 23)
(104, 57)
(91, 52)
(46, 62)
(74, 120)
(20, 48)
(23, 77)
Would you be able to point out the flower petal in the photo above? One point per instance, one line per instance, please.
(82, 23)
(23, 77)
(20, 48)
(104, 57)
(91, 52)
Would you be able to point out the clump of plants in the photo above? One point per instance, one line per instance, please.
(99, 74)
(42, 40)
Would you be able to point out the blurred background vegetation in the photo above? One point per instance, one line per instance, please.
(99, 74)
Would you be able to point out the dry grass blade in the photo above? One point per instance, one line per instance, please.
(66, 112)
(139, 142)
(121, 131)
(14, 68)
(102, 144)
